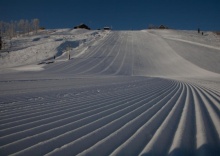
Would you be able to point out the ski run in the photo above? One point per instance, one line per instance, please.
(125, 93)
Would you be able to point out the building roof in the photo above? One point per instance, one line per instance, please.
(82, 26)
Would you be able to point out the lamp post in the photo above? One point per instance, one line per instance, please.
(68, 51)
(0, 43)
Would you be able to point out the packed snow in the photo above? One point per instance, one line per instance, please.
(47, 44)
(150, 92)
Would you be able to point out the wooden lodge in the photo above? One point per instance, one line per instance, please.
(82, 26)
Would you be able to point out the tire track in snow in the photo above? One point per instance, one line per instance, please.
(62, 65)
(94, 57)
(205, 131)
(185, 129)
(152, 116)
(82, 103)
(109, 68)
(161, 141)
(46, 135)
(98, 66)
(83, 61)
(147, 126)
(71, 100)
(111, 127)
(134, 144)
(168, 117)
(53, 99)
(124, 58)
(44, 121)
(116, 137)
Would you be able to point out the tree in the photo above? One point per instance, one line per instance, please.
(15, 28)
(35, 23)
(1, 28)
(21, 26)
(27, 27)
(151, 26)
(11, 30)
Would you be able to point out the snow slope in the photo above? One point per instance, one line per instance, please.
(123, 93)
(47, 44)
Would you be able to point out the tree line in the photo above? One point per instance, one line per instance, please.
(16, 28)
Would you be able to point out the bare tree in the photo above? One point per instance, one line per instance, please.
(4, 28)
(1, 28)
(21, 26)
(11, 29)
(27, 27)
(35, 23)
(15, 28)
(150, 26)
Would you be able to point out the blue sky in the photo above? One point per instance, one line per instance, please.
(120, 14)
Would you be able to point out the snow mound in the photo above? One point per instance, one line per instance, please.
(45, 45)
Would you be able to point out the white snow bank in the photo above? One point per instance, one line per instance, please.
(47, 44)
(30, 68)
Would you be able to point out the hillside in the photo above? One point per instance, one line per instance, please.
(150, 92)
(33, 49)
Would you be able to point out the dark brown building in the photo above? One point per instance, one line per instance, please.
(163, 27)
(82, 26)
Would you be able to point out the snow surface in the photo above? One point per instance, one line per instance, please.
(46, 45)
(151, 92)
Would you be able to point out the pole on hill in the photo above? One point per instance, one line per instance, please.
(0, 43)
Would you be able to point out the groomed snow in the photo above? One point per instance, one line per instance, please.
(47, 44)
(151, 92)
